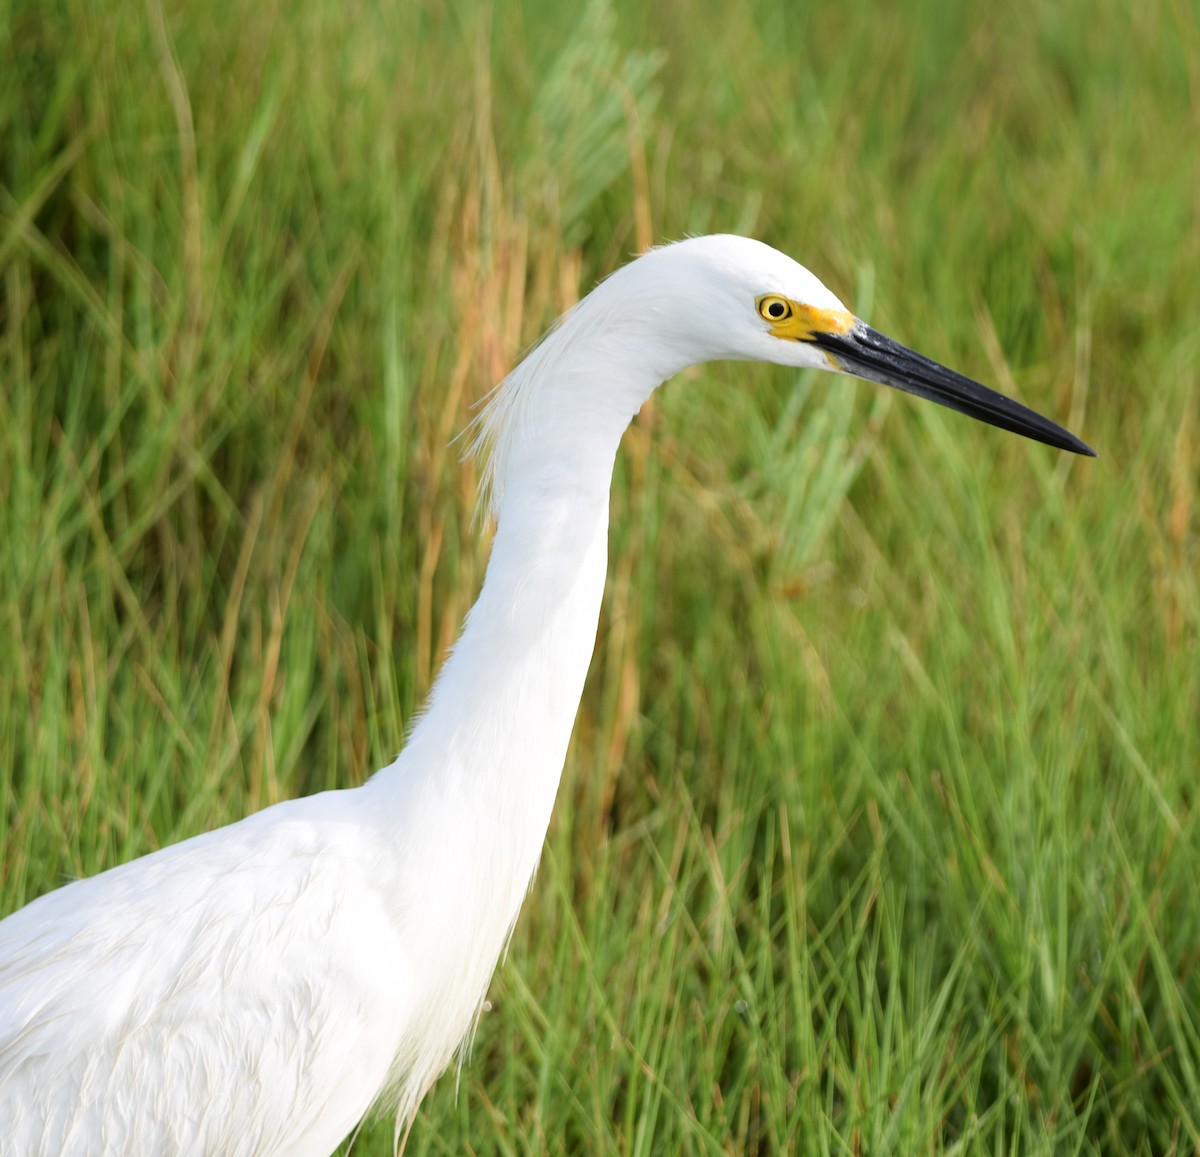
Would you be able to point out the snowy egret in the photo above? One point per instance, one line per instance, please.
(255, 990)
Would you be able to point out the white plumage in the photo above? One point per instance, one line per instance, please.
(256, 989)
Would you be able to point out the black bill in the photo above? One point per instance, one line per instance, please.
(866, 353)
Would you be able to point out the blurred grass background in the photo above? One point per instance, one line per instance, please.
(879, 830)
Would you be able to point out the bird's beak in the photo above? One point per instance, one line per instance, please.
(864, 352)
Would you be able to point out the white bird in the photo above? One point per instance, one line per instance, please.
(257, 989)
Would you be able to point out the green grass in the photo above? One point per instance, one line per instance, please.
(879, 830)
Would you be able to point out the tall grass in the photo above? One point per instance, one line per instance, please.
(879, 830)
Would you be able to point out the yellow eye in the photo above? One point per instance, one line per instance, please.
(774, 308)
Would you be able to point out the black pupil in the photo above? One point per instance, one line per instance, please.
(775, 309)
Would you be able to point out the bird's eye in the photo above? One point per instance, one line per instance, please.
(773, 308)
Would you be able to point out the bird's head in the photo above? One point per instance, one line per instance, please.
(705, 299)
(726, 297)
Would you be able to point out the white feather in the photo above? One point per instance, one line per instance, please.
(254, 990)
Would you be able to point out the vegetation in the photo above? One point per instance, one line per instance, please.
(879, 832)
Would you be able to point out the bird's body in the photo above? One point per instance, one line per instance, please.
(255, 989)
(219, 996)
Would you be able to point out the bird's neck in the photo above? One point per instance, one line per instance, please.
(469, 798)
(503, 706)
(485, 759)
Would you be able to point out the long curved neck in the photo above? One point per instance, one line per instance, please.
(501, 711)
(468, 801)
(486, 756)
